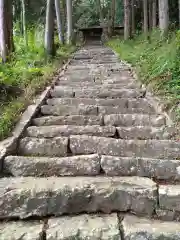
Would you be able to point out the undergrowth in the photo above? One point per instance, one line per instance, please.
(26, 74)
(157, 62)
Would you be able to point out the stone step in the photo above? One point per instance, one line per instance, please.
(127, 120)
(163, 149)
(51, 166)
(84, 144)
(76, 79)
(67, 130)
(82, 165)
(43, 147)
(137, 132)
(59, 91)
(100, 226)
(86, 109)
(29, 196)
(98, 83)
(131, 103)
(135, 228)
(64, 110)
(159, 169)
(68, 120)
(92, 226)
(89, 101)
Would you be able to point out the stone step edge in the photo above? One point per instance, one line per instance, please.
(152, 200)
(139, 132)
(48, 120)
(93, 226)
(93, 165)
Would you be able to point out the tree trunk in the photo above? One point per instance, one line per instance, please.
(133, 17)
(113, 7)
(24, 22)
(154, 13)
(145, 11)
(163, 15)
(59, 22)
(100, 13)
(69, 21)
(150, 14)
(127, 13)
(179, 13)
(49, 29)
(6, 30)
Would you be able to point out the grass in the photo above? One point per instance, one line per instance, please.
(157, 62)
(27, 74)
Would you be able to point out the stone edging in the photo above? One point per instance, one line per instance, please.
(9, 145)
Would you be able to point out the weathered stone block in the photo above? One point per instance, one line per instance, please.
(163, 149)
(42, 146)
(135, 228)
(47, 167)
(67, 130)
(169, 197)
(69, 110)
(68, 120)
(21, 230)
(134, 120)
(104, 227)
(145, 167)
(25, 197)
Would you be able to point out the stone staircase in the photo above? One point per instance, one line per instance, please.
(97, 162)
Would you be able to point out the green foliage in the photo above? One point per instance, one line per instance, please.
(157, 61)
(26, 74)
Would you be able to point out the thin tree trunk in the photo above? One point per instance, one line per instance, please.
(6, 32)
(24, 22)
(3, 49)
(150, 13)
(179, 13)
(49, 29)
(145, 11)
(113, 7)
(127, 13)
(69, 21)
(163, 16)
(59, 22)
(133, 17)
(154, 13)
(100, 13)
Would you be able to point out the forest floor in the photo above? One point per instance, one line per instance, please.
(157, 63)
(26, 75)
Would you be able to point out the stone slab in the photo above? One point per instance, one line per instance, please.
(68, 120)
(161, 169)
(89, 101)
(62, 92)
(145, 132)
(51, 166)
(104, 227)
(163, 149)
(127, 120)
(67, 130)
(31, 230)
(43, 146)
(64, 110)
(107, 93)
(135, 228)
(26, 197)
(169, 197)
